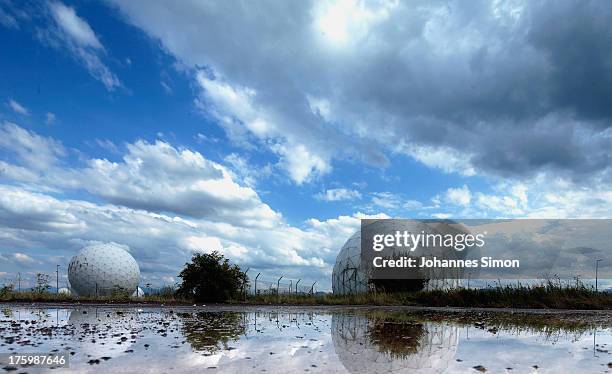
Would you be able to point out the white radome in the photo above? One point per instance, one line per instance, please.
(64, 291)
(102, 270)
(351, 276)
(139, 293)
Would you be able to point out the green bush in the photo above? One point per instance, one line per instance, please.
(211, 278)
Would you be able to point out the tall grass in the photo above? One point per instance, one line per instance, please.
(550, 294)
(30, 296)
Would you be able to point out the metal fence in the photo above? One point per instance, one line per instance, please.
(260, 284)
(23, 283)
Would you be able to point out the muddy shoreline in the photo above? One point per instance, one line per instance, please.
(596, 316)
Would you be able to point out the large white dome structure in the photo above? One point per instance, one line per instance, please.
(351, 276)
(64, 291)
(103, 269)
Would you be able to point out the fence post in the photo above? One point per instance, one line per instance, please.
(258, 274)
(296, 286)
(290, 286)
(244, 289)
(312, 288)
(278, 284)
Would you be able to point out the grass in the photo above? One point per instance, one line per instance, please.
(531, 322)
(549, 295)
(28, 296)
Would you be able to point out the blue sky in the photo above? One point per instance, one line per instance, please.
(266, 130)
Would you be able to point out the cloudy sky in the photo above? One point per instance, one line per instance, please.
(266, 130)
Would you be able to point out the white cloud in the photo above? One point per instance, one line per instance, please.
(237, 111)
(301, 163)
(502, 204)
(441, 215)
(202, 243)
(459, 196)
(543, 196)
(412, 204)
(338, 194)
(443, 158)
(107, 145)
(74, 26)
(75, 34)
(23, 259)
(153, 176)
(346, 22)
(159, 177)
(320, 106)
(50, 118)
(167, 89)
(18, 108)
(246, 172)
(34, 151)
(235, 102)
(387, 200)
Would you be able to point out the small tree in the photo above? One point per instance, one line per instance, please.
(42, 283)
(211, 278)
(6, 291)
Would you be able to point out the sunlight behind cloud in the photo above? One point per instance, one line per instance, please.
(344, 21)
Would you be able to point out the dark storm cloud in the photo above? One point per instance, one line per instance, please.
(576, 37)
(518, 87)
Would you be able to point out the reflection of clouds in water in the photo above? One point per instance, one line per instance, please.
(100, 331)
(367, 343)
(271, 342)
(566, 353)
(360, 352)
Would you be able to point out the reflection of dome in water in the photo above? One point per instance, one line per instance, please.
(102, 270)
(350, 275)
(360, 353)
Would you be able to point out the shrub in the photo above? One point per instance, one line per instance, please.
(211, 278)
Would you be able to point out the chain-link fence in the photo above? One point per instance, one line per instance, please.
(25, 283)
(260, 284)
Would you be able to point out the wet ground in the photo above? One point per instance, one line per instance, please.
(303, 339)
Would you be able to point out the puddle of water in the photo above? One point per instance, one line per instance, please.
(246, 341)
